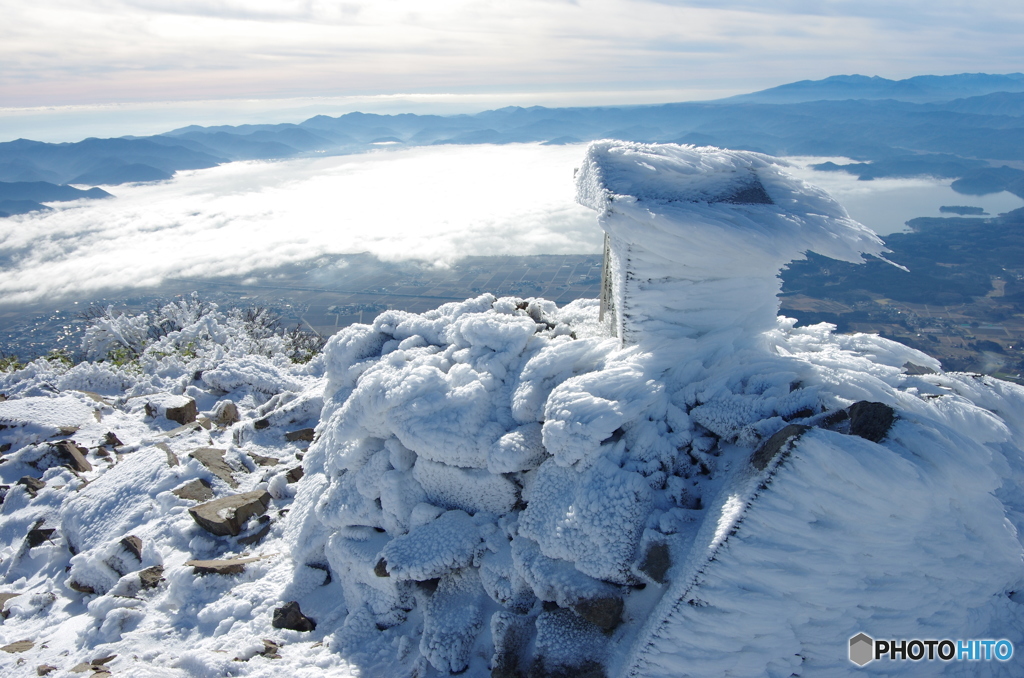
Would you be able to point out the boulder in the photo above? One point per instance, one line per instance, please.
(261, 424)
(186, 428)
(151, 577)
(914, 369)
(37, 535)
(776, 444)
(4, 597)
(260, 460)
(289, 616)
(294, 475)
(656, 562)
(172, 458)
(183, 414)
(604, 613)
(194, 490)
(19, 646)
(305, 434)
(270, 649)
(257, 537)
(133, 545)
(871, 421)
(225, 516)
(71, 454)
(45, 669)
(31, 485)
(228, 566)
(81, 588)
(111, 439)
(213, 459)
(226, 414)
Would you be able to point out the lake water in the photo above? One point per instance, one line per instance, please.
(885, 205)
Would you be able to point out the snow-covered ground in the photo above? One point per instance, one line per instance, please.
(504, 487)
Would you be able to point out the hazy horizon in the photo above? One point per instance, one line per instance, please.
(143, 52)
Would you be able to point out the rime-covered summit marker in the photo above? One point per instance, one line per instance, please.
(695, 237)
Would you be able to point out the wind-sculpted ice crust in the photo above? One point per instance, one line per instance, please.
(570, 484)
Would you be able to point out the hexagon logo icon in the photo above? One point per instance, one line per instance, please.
(862, 649)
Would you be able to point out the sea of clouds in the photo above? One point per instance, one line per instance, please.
(434, 204)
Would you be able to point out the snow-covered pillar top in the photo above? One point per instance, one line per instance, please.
(696, 236)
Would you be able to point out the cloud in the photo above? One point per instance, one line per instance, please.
(435, 204)
(886, 204)
(92, 51)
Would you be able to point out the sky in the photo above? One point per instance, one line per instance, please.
(134, 56)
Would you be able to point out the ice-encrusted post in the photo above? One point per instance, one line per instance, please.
(695, 237)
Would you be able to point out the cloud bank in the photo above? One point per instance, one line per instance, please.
(93, 51)
(435, 204)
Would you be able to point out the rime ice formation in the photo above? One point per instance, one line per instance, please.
(695, 238)
(503, 489)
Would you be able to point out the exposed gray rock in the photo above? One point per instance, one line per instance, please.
(511, 633)
(605, 613)
(19, 646)
(776, 444)
(31, 485)
(260, 460)
(110, 438)
(133, 545)
(4, 597)
(194, 490)
(69, 453)
(261, 424)
(151, 577)
(302, 434)
(916, 370)
(81, 588)
(229, 566)
(833, 419)
(289, 616)
(257, 536)
(45, 669)
(657, 562)
(226, 414)
(187, 428)
(213, 459)
(871, 421)
(172, 458)
(295, 474)
(226, 516)
(183, 414)
(270, 649)
(38, 535)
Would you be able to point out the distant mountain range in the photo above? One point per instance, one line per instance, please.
(960, 126)
(919, 89)
(26, 196)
